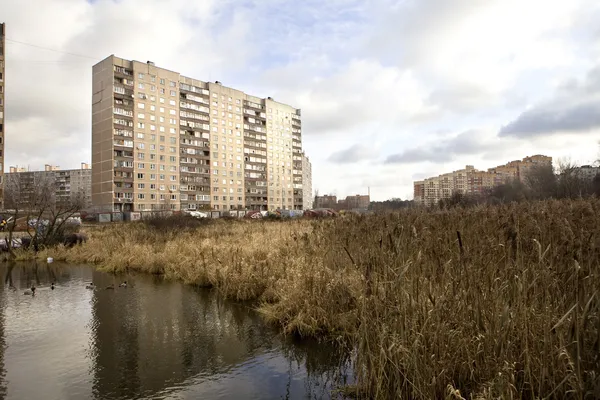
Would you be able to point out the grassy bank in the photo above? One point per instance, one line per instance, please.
(509, 310)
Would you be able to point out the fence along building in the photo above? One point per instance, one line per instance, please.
(161, 140)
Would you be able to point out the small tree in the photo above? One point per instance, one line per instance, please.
(31, 199)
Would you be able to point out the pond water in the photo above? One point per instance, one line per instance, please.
(152, 340)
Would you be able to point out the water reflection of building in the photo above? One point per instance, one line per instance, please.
(154, 337)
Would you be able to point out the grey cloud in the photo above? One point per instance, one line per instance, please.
(355, 153)
(575, 107)
(461, 97)
(467, 143)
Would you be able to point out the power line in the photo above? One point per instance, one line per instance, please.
(49, 49)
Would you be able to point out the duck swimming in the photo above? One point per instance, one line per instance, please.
(52, 286)
(90, 286)
(30, 292)
(124, 284)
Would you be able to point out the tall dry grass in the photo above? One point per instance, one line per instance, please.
(490, 302)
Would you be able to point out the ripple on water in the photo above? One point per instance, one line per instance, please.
(152, 340)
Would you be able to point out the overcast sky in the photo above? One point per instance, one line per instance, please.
(390, 90)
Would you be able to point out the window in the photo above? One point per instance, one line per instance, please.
(140, 135)
(172, 121)
(141, 76)
(152, 107)
(162, 81)
(161, 119)
(173, 178)
(141, 185)
(141, 146)
(141, 116)
(172, 84)
(172, 102)
(162, 91)
(140, 176)
(141, 166)
(172, 93)
(172, 112)
(140, 125)
(140, 86)
(152, 127)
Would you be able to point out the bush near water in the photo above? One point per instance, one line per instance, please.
(485, 302)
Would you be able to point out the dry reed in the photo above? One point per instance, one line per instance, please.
(489, 302)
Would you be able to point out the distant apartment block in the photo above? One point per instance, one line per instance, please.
(357, 202)
(70, 185)
(471, 181)
(2, 90)
(587, 172)
(307, 200)
(325, 201)
(161, 140)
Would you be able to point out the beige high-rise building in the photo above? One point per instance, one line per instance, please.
(2, 90)
(161, 140)
(307, 182)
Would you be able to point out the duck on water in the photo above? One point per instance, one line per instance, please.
(30, 292)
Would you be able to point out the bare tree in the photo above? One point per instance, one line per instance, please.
(33, 204)
(570, 183)
(541, 182)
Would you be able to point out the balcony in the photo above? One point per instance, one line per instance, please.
(123, 72)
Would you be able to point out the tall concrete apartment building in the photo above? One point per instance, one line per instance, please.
(161, 140)
(307, 182)
(471, 181)
(2, 90)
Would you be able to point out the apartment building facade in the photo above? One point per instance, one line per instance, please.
(70, 186)
(2, 107)
(471, 181)
(307, 182)
(587, 172)
(161, 140)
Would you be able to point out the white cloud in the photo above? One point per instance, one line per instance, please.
(400, 77)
